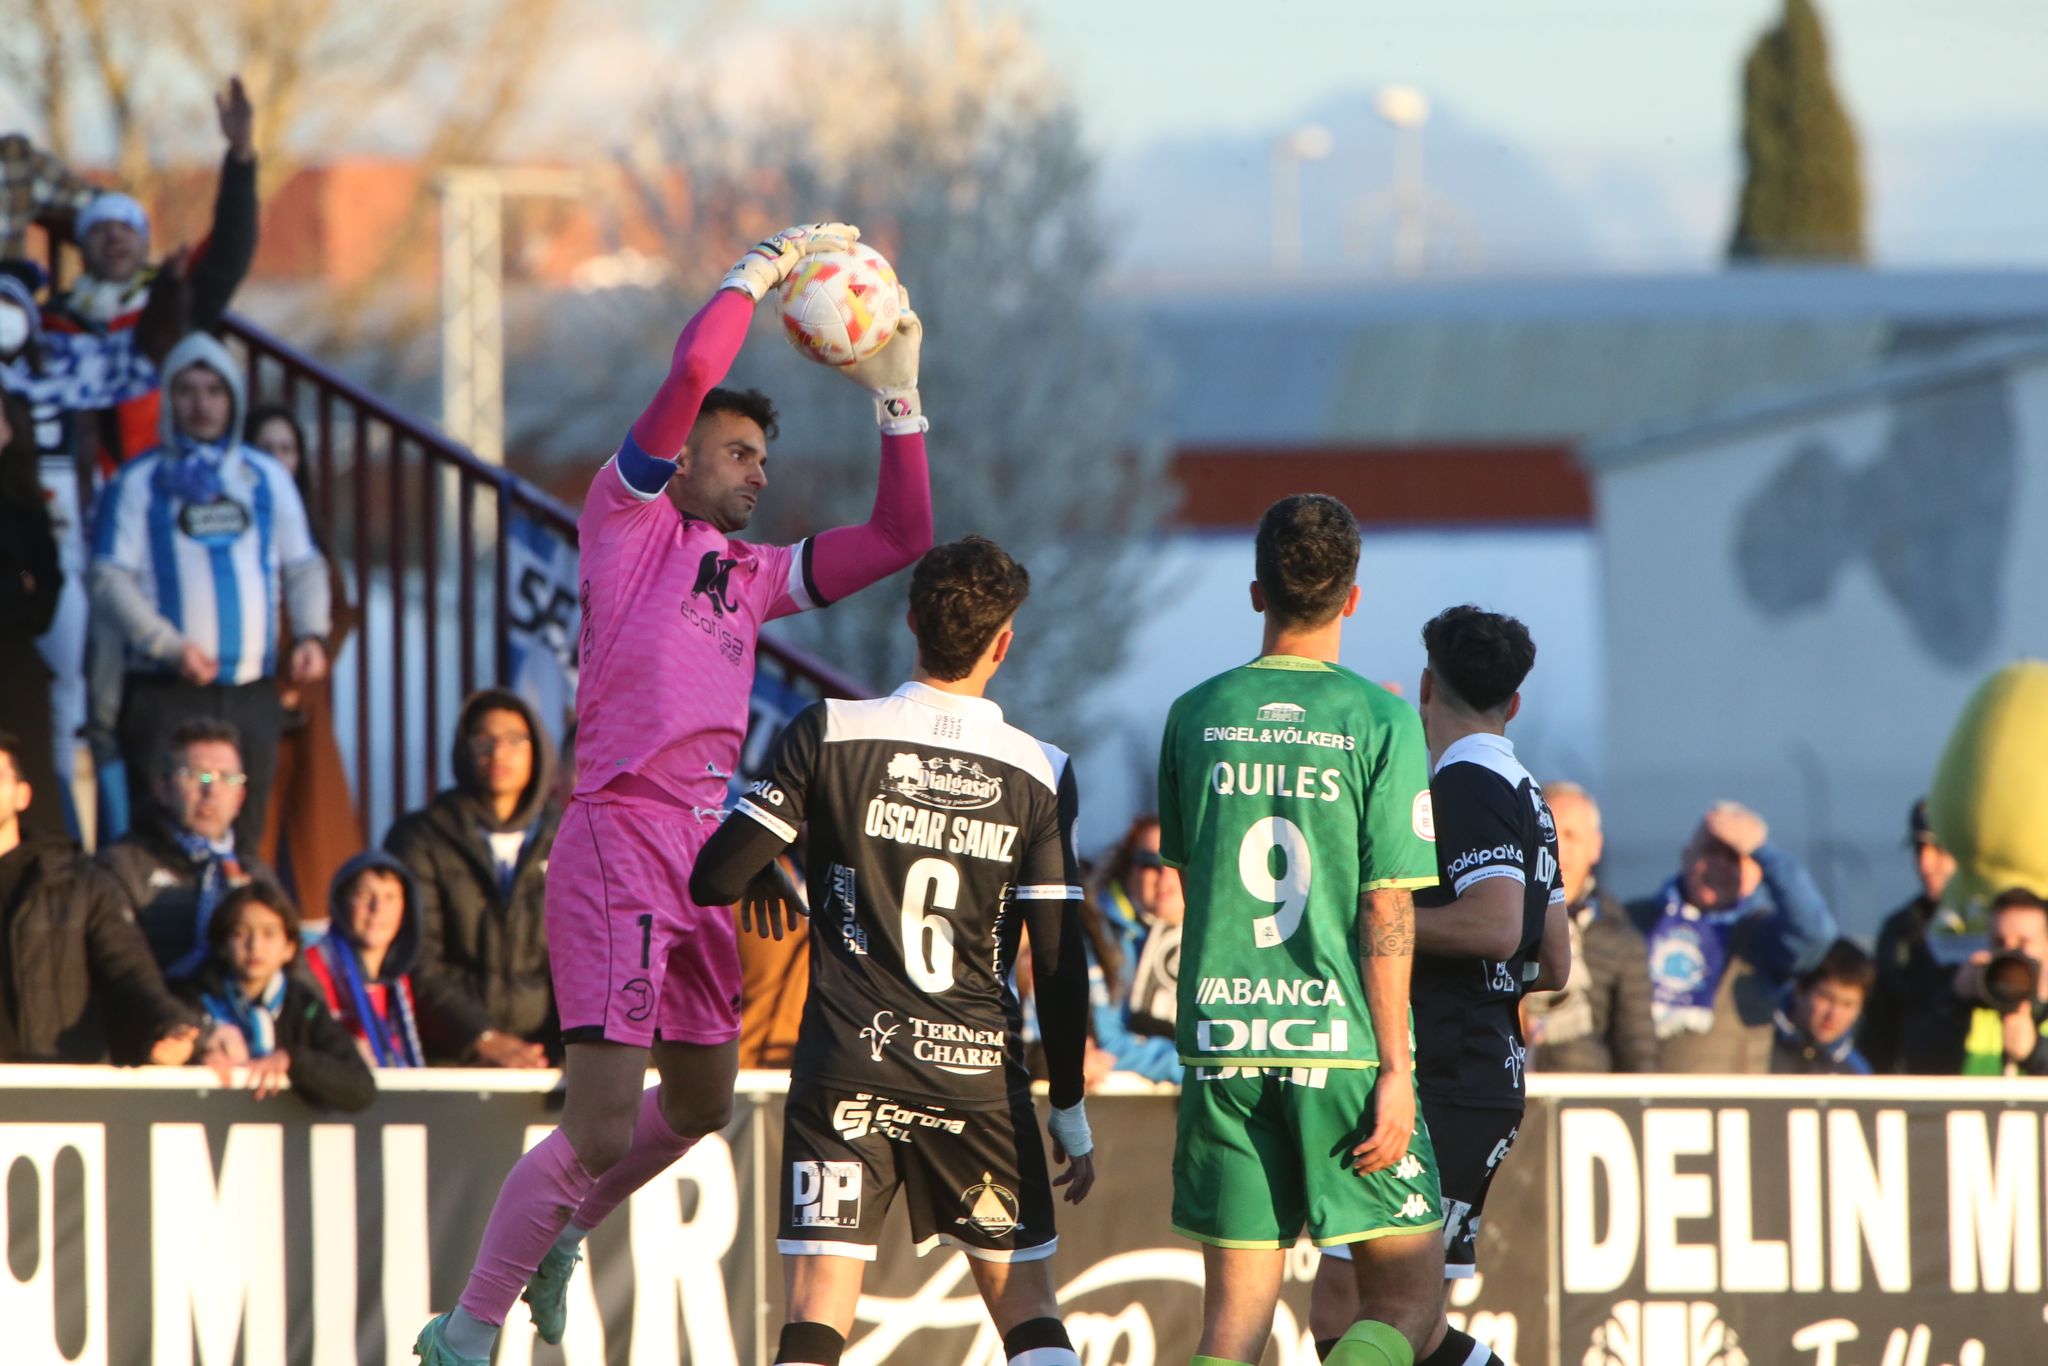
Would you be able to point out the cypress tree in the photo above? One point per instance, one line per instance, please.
(1802, 192)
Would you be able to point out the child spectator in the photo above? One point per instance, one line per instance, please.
(363, 968)
(262, 1017)
(1817, 1019)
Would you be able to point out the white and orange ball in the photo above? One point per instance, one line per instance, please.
(840, 307)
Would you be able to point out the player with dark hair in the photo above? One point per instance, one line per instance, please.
(935, 832)
(672, 608)
(1294, 797)
(1493, 928)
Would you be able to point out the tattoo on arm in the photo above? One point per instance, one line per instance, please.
(1389, 923)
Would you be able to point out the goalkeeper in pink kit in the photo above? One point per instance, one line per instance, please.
(672, 609)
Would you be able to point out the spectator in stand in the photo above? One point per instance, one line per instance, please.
(36, 190)
(1991, 1017)
(60, 378)
(1816, 1022)
(183, 858)
(312, 827)
(1601, 1021)
(364, 971)
(198, 547)
(1726, 935)
(120, 290)
(1907, 974)
(30, 581)
(479, 859)
(76, 978)
(1133, 915)
(262, 1018)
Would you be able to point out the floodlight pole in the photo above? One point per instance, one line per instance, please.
(473, 295)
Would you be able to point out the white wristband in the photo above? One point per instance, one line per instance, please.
(1069, 1127)
(899, 412)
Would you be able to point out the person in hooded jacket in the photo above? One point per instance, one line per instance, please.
(197, 549)
(479, 854)
(364, 969)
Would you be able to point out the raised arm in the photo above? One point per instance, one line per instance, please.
(847, 559)
(709, 344)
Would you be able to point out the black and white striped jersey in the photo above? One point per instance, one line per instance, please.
(930, 821)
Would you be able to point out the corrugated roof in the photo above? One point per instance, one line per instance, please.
(1550, 359)
(1893, 380)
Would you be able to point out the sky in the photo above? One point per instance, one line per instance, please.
(1633, 76)
(1627, 110)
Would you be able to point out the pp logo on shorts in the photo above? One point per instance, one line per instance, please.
(824, 1194)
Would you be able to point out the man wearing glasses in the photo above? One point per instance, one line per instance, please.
(181, 858)
(479, 854)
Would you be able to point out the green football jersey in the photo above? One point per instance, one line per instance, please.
(1287, 787)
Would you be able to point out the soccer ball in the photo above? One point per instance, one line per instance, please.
(840, 307)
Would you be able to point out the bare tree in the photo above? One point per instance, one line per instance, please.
(450, 76)
(960, 157)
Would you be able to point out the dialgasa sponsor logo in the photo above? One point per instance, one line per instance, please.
(948, 784)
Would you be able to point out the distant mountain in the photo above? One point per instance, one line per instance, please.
(1493, 204)
(1965, 197)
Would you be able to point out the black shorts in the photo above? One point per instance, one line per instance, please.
(975, 1179)
(1470, 1144)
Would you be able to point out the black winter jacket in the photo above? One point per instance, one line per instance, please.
(1601, 1021)
(79, 980)
(326, 1070)
(476, 939)
(161, 884)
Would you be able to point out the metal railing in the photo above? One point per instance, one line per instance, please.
(421, 530)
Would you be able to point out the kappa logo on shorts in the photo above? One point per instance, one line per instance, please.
(1409, 1167)
(639, 997)
(824, 1194)
(1414, 1207)
(991, 1208)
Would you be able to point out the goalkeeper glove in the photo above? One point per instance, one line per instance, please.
(891, 376)
(769, 261)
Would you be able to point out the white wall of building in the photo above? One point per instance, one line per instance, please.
(1797, 604)
(1199, 622)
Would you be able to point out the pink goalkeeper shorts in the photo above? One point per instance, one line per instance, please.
(634, 959)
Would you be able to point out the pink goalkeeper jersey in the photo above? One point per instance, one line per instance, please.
(672, 608)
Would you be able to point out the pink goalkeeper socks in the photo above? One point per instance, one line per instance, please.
(542, 1190)
(655, 1146)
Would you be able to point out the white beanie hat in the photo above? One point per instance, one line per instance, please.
(111, 206)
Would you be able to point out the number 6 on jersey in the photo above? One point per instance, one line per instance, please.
(930, 967)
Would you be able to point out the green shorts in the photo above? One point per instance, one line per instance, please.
(1262, 1152)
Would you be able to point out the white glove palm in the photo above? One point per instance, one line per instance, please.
(891, 375)
(769, 261)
